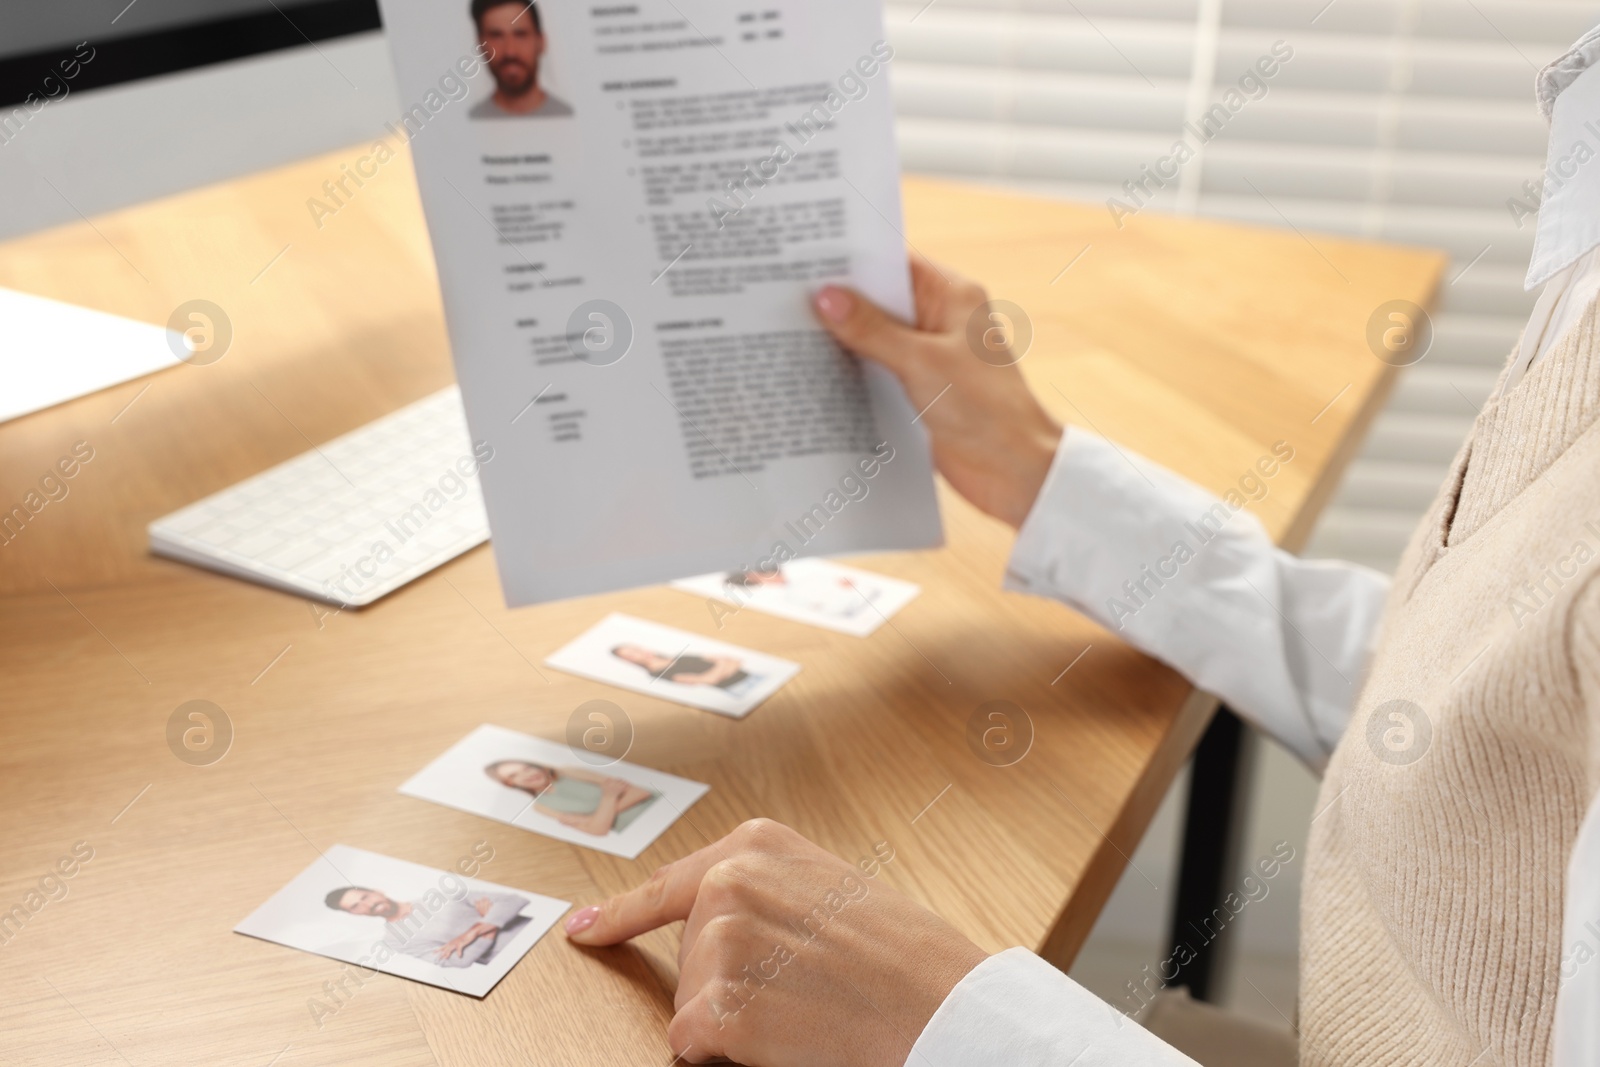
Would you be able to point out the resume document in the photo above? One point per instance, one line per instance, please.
(631, 205)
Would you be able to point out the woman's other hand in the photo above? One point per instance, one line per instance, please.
(991, 439)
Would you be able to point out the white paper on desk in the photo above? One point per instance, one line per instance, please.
(699, 420)
(52, 352)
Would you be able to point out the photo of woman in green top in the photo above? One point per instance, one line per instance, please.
(581, 799)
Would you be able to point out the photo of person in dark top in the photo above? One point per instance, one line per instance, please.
(722, 672)
(676, 665)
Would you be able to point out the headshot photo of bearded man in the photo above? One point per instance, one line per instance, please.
(512, 39)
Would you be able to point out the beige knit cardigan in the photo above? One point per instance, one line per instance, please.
(1431, 917)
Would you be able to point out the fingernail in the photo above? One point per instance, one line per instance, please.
(581, 920)
(833, 304)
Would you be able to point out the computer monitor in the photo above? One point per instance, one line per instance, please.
(107, 103)
(153, 37)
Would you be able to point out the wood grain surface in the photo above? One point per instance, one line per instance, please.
(1196, 343)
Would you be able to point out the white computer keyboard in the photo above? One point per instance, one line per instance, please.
(350, 521)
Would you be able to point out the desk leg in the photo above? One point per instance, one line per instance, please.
(1212, 830)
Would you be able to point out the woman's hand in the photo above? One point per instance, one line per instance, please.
(991, 438)
(459, 945)
(791, 956)
(589, 824)
(600, 821)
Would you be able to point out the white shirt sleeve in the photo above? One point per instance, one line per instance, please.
(1017, 1010)
(1196, 582)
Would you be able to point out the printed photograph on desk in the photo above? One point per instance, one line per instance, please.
(813, 591)
(674, 665)
(570, 794)
(444, 928)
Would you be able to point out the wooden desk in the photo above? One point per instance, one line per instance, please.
(1195, 343)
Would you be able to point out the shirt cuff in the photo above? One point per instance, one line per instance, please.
(1016, 1010)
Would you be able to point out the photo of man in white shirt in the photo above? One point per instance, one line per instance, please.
(458, 933)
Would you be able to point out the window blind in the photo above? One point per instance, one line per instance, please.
(1403, 120)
